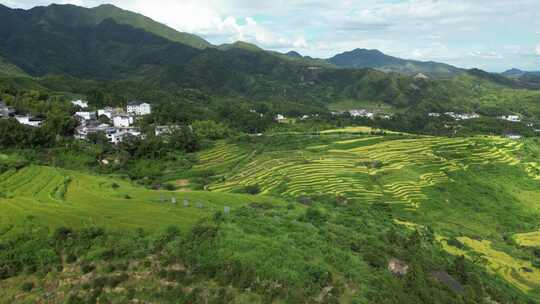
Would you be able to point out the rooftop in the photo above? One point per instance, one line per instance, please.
(135, 103)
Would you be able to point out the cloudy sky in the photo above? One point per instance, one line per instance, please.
(491, 34)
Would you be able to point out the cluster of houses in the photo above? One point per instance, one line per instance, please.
(455, 116)
(466, 116)
(511, 118)
(28, 120)
(121, 122)
(363, 113)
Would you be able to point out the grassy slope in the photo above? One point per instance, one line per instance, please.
(11, 70)
(55, 197)
(478, 187)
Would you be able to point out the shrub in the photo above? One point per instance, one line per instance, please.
(61, 234)
(115, 186)
(252, 189)
(71, 258)
(169, 187)
(455, 242)
(304, 200)
(27, 286)
(87, 268)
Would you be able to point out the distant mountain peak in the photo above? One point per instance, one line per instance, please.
(294, 54)
(374, 59)
(239, 45)
(513, 72)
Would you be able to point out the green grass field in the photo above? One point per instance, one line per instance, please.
(55, 197)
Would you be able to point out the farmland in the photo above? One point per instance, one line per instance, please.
(56, 197)
(323, 202)
(458, 186)
(393, 168)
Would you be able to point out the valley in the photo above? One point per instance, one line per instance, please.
(246, 163)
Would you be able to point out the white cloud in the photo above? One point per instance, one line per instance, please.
(538, 49)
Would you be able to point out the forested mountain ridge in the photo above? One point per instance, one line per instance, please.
(68, 40)
(75, 16)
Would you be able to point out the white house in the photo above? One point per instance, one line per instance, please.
(107, 111)
(165, 130)
(122, 121)
(513, 136)
(80, 103)
(361, 113)
(29, 120)
(85, 115)
(512, 118)
(118, 136)
(421, 76)
(467, 116)
(139, 108)
(280, 118)
(5, 111)
(113, 135)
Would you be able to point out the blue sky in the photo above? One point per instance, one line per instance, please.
(494, 35)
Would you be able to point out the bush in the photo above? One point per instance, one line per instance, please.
(304, 200)
(456, 243)
(27, 286)
(87, 268)
(252, 189)
(61, 234)
(169, 187)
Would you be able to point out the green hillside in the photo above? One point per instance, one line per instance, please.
(82, 200)
(9, 70)
(332, 212)
(468, 188)
(75, 16)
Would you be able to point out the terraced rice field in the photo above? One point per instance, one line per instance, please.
(519, 273)
(392, 169)
(55, 197)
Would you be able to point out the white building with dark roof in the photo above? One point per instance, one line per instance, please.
(122, 121)
(139, 108)
(5, 111)
(512, 118)
(28, 120)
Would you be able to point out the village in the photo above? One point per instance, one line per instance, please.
(116, 123)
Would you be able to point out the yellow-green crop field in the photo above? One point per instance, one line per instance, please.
(518, 272)
(367, 168)
(56, 197)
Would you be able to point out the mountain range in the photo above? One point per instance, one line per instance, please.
(26, 34)
(108, 44)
